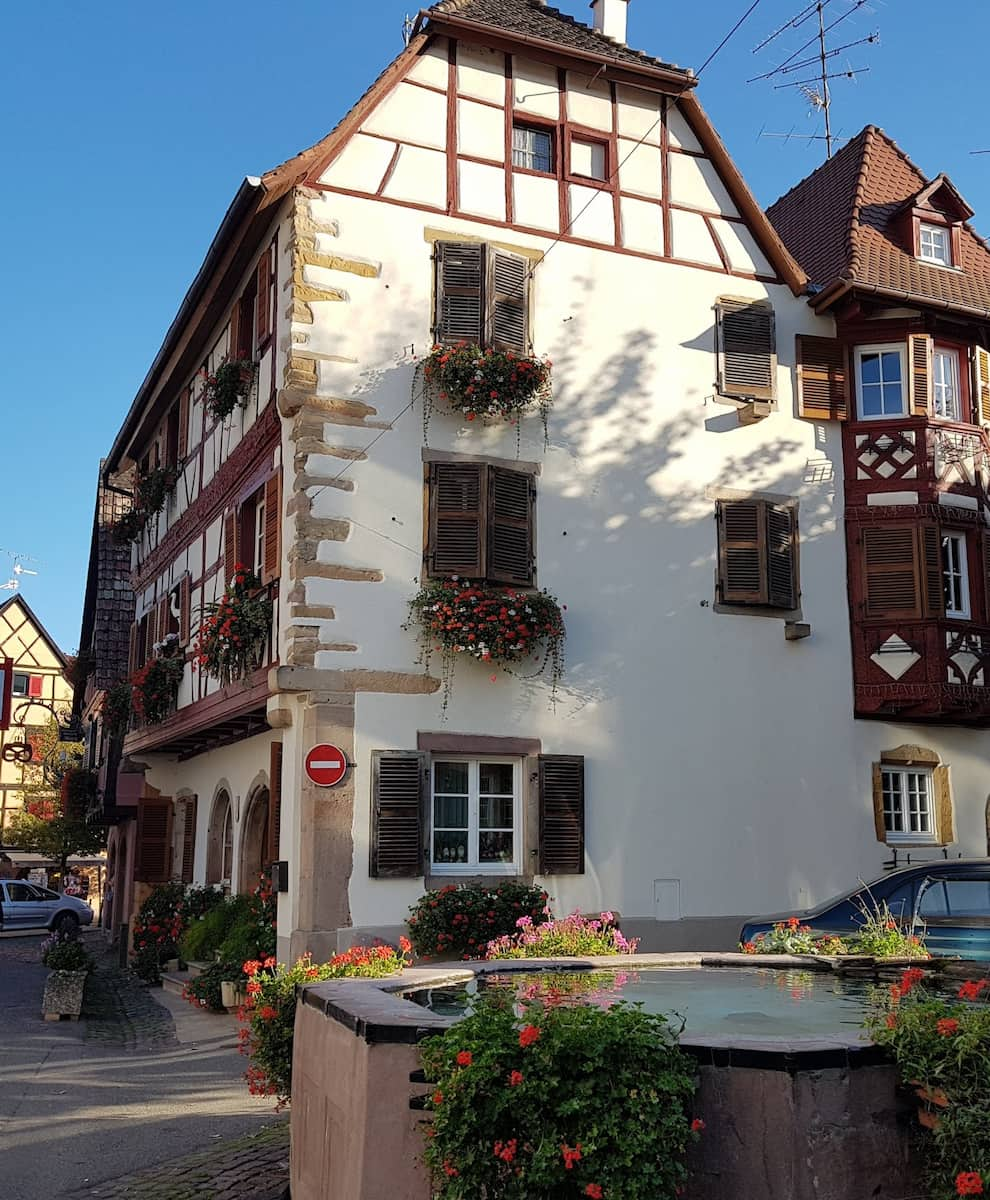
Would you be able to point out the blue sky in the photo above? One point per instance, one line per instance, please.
(127, 128)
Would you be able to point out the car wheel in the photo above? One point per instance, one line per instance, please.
(66, 922)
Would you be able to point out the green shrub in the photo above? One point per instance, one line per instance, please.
(204, 936)
(61, 952)
(459, 922)
(559, 1103)
(203, 990)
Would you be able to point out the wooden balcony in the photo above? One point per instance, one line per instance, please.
(915, 455)
(933, 671)
(217, 719)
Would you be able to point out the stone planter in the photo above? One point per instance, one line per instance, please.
(63, 995)
(232, 995)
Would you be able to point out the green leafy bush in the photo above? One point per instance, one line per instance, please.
(942, 1048)
(62, 952)
(459, 922)
(203, 990)
(877, 934)
(204, 936)
(558, 1103)
(269, 1016)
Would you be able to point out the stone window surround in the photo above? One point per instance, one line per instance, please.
(477, 746)
(907, 756)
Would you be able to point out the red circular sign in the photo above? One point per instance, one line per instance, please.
(326, 765)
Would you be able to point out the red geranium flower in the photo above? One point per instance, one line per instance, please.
(697, 1125)
(528, 1035)
(464, 1058)
(594, 1190)
(969, 1183)
(515, 1078)
(947, 1026)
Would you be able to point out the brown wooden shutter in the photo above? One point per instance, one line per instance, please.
(183, 443)
(132, 649)
(185, 609)
(931, 565)
(460, 277)
(398, 789)
(891, 571)
(782, 555)
(822, 379)
(273, 527)
(561, 782)
(742, 552)
(150, 629)
(231, 546)
(274, 802)
(920, 373)
(511, 506)
(162, 619)
(944, 826)
(981, 384)
(264, 296)
(233, 337)
(508, 295)
(878, 822)
(457, 532)
(153, 858)
(745, 342)
(189, 840)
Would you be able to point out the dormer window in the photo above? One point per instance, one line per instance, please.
(935, 245)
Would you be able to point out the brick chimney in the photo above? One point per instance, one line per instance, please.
(611, 17)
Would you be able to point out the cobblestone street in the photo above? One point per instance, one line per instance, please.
(142, 1098)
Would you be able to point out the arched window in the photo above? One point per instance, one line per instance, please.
(254, 840)
(220, 848)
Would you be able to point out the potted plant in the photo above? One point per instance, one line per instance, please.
(501, 626)
(155, 686)
(116, 708)
(488, 384)
(154, 488)
(228, 387)
(129, 526)
(233, 638)
(69, 963)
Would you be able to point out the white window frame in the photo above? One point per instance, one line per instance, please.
(595, 146)
(13, 685)
(927, 253)
(259, 534)
(941, 389)
(905, 835)
(527, 150)
(883, 348)
(957, 570)
(473, 866)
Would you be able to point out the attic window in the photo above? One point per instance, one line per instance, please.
(934, 245)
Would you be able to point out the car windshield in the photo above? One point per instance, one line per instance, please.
(878, 888)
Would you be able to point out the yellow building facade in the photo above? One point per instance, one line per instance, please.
(39, 689)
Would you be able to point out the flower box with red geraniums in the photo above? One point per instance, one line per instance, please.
(495, 625)
(228, 387)
(233, 638)
(155, 686)
(116, 708)
(490, 384)
(268, 1016)
(942, 1049)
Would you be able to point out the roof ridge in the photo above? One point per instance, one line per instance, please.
(859, 191)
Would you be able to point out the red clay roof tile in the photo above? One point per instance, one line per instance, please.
(838, 225)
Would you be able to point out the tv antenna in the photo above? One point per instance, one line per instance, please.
(13, 584)
(814, 61)
(407, 28)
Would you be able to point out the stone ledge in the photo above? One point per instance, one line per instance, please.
(317, 679)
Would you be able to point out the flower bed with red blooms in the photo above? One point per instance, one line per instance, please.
(877, 935)
(459, 922)
(559, 1103)
(501, 626)
(492, 384)
(157, 929)
(269, 1016)
(942, 1049)
(234, 635)
(155, 688)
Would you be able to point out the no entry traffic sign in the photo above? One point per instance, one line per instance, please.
(326, 765)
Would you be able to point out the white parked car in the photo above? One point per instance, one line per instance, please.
(24, 905)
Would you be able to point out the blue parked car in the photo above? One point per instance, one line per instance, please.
(24, 905)
(946, 900)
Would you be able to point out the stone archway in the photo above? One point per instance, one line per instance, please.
(220, 841)
(254, 840)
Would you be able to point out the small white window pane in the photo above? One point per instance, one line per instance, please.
(450, 846)
(588, 159)
(934, 244)
(532, 149)
(450, 812)
(496, 812)
(496, 779)
(872, 400)
(495, 847)
(451, 777)
(891, 363)
(870, 369)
